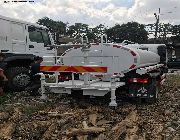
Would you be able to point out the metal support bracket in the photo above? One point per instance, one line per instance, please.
(113, 102)
(43, 82)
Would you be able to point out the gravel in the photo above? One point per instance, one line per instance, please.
(27, 117)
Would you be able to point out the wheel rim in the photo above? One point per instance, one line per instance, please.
(21, 80)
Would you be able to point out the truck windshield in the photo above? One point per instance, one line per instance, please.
(35, 36)
(39, 36)
(46, 38)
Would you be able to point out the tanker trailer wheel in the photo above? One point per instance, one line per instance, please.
(18, 78)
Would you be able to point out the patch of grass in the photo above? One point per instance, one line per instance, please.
(5, 97)
(30, 109)
(173, 80)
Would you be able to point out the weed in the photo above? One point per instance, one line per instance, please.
(30, 110)
(5, 98)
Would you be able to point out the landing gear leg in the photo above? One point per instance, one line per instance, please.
(43, 95)
(113, 102)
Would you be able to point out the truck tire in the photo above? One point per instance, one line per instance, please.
(18, 78)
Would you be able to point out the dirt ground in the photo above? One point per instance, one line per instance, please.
(24, 117)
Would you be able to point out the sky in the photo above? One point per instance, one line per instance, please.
(94, 12)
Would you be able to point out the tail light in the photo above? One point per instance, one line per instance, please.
(138, 80)
(64, 77)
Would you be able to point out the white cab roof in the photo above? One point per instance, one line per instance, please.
(21, 21)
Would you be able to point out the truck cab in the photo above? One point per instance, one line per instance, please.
(21, 41)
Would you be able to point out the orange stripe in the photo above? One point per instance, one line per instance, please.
(62, 68)
(44, 68)
(90, 69)
(53, 68)
(80, 69)
(99, 69)
(74, 68)
(104, 69)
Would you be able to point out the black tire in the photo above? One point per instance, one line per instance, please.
(18, 78)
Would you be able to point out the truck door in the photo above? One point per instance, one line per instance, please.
(35, 41)
(38, 41)
(18, 37)
(5, 45)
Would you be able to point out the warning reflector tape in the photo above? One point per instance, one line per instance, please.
(74, 69)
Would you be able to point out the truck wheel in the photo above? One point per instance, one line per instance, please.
(18, 78)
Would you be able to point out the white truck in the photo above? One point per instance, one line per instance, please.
(98, 65)
(104, 68)
(20, 42)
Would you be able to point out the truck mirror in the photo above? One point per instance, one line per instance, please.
(31, 28)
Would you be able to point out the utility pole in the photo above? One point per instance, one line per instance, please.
(157, 23)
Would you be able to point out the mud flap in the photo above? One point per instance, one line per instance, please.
(144, 90)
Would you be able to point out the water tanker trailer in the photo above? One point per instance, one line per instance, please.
(104, 69)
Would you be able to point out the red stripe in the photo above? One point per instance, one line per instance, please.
(73, 68)
(133, 53)
(78, 69)
(54, 68)
(41, 68)
(104, 69)
(116, 46)
(88, 69)
(132, 66)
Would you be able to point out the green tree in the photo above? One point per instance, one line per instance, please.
(164, 30)
(99, 30)
(176, 33)
(176, 30)
(57, 28)
(78, 30)
(132, 31)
